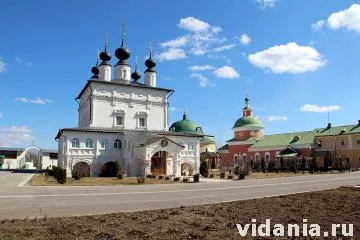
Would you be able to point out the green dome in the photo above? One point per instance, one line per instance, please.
(207, 140)
(186, 126)
(248, 121)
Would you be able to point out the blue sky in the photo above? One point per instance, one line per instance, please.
(297, 60)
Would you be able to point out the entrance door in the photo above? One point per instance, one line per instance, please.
(158, 163)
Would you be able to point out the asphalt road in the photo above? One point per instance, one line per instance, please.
(30, 201)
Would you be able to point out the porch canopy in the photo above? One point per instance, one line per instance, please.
(288, 152)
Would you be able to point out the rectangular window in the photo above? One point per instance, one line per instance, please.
(191, 147)
(142, 122)
(328, 143)
(119, 121)
(267, 157)
(358, 141)
(342, 142)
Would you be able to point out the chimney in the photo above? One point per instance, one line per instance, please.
(329, 126)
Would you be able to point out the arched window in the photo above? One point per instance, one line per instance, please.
(257, 157)
(75, 143)
(117, 143)
(104, 144)
(89, 143)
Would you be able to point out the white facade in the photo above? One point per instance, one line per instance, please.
(133, 115)
(101, 104)
(18, 158)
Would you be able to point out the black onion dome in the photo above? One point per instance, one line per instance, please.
(95, 70)
(105, 56)
(150, 63)
(122, 53)
(136, 76)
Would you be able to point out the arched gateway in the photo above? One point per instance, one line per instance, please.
(81, 169)
(158, 163)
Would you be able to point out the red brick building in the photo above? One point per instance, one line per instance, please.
(249, 146)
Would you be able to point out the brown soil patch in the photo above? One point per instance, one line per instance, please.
(214, 221)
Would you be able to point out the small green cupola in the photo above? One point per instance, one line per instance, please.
(185, 125)
(248, 120)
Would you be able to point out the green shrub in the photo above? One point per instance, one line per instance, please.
(241, 176)
(222, 175)
(236, 170)
(196, 177)
(61, 175)
(140, 180)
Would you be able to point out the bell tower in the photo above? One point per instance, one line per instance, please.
(247, 111)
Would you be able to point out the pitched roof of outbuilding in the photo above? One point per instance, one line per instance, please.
(338, 130)
(137, 137)
(285, 139)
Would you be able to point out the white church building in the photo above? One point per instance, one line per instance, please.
(123, 119)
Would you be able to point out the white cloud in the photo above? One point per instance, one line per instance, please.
(226, 72)
(36, 100)
(245, 39)
(318, 25)
(173, 109)
(172, 54)
(2, 66)
(198, 51)
(224, 47)
(201, 38)
(348, 18)
(21, 61)
(289, 58)
(277, 118)
(319, 109)
(201, 68)
(267, 3)
(175, 43)
(203, 81)
(10, 136)
(193, 24)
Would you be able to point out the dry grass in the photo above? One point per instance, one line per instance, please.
(213, 221)
(42, 180)
(276, 175)
(260, 175)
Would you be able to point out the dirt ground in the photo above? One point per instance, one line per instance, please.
(215, 221)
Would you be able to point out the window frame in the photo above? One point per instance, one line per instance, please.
(116, 120)
(89, 143)
(191, 147)
(117, 144)
(342, 141)
(104, 144)
(77, 143)
(142, 115)
(142, 122)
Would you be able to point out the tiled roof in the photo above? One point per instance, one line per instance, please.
(338, 130)
(225, 147)
(285, 139)
(137, 137)
(249, 140)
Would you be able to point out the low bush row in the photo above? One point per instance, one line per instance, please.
(58, 173)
